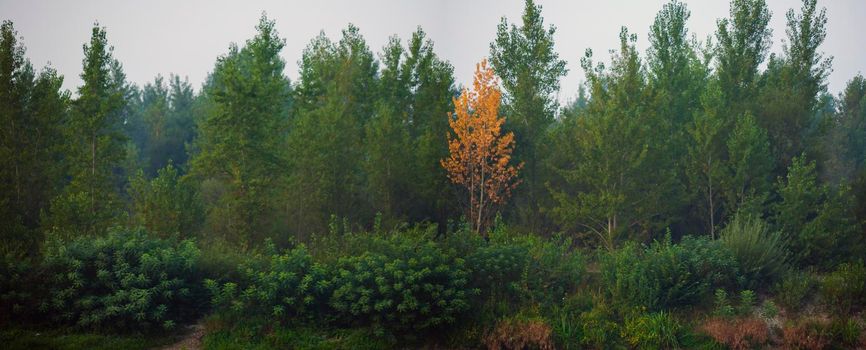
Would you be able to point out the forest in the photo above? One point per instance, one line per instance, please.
(705, 193)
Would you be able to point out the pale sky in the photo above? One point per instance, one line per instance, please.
(185, 37)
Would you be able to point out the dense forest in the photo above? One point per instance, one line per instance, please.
(702, 194)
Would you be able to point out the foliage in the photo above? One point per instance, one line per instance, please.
(32, 113)
(400, 286)
(617, 181)
(723, 304)
(658, 330)
(599, 327)
(526, 267)
(334, 97)
(665, 275)
(286, 285)
(18, 298)
(761, 255)
(530, 69)
(818, 221)
(480, 154)
(844, 290)
(89, 203)
(64, 339)
(165, 205)
(414, 286)
(123, 281)
(795, 290)
(241, 137)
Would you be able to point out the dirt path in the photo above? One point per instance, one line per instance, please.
(192, 340)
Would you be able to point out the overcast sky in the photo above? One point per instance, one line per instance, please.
(185, 37)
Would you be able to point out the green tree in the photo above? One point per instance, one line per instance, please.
(165, 205)
(406, 134)
(90, 202)
(529, 68)
(750, 166)
(614, 185)
(743, 42)
(706, 161)
(387, 140)
(818, 220)
(241, 141)
(793, 83)
(334, 99)
(32, 112)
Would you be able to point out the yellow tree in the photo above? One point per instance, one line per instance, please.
(480, 154)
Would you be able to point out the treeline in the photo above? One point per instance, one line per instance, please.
(681, 138)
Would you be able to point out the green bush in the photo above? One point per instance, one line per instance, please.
(844, 290)
(795, 290)
(565, 320)
(401, 285)
(600, 328)
(17, 285)
(123, 281)
(526, 268)
(283, 285)
(658, 330)
(665, 275)
(412, 286)
(761, 255)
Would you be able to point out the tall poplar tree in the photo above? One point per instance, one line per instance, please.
(525, 60)
(32, 113)
(95, 145)
(241, 144)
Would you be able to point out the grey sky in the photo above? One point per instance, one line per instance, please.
(185, 37)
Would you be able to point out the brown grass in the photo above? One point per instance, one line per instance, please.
(520, 334)
(743, 333)
(811, 334)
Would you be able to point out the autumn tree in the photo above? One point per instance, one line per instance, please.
(480, 159)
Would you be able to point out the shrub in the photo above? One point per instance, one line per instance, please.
(497, 268)
(599, 327)
(282, 286)
(565, 320)
(818, 220)
(166, 204)
(761, 255)
(666, 275)
(844, 290)
(414, 286)
(723, 305)
(845, 332)
(125, 280)
(795, 290)
(516, 333)
(769, 309)
(17, 282)
(400, 286)
(657, 330)
(527, 268)
(744, 333)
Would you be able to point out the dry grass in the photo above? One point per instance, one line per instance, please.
(520, 334)
(742, 333)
